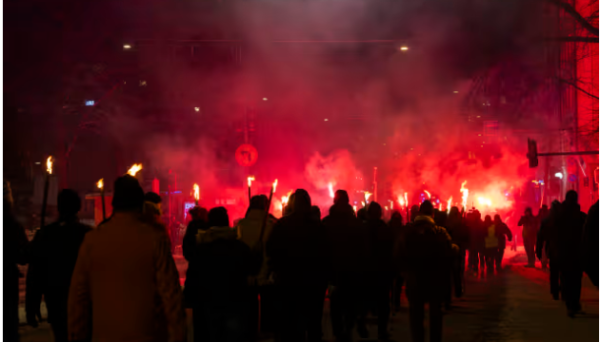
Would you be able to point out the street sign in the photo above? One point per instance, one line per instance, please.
(246, 155)
(572, 178)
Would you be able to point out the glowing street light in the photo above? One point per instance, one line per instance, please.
(558, 175)
(126, 46)
(196, 109)
(404, 48)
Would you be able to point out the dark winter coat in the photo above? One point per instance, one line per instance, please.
(349, 245)
(381, 239)
(189, 242)
(298, 251)
(54, 253)
(427, 250)
(502, 232)
(590, 244)
(570, 232)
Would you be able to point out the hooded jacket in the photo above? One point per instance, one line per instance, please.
(248, 231)
(570, 232)
(427, 250)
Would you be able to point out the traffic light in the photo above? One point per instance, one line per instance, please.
(532, 153)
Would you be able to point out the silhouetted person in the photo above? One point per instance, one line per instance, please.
(427, 250)
(414, 212)
(361, 214)
(548, 240)
(502, 233)
(590, 244)
(542, 214)
(570, 232)
(14, 252)
(298, 254)
(529, 234)
(476, 241)
(491, 243)
(217, 282)
(349, 253)
(397, 227)
(459, 232)
(53, 256)
(153, 207)
(125, 286)
(315, 211)
(198, 223)
(289, 208)
(381, 269)
(261, 284)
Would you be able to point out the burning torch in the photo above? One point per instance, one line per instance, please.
(406, 201)
(331, 193)
(465, 195)
(49, 162)
(100, 185)
(135, 168)
(197, 193)
(250, 179)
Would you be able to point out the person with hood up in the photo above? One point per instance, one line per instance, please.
(570, 232)
(397, 227)
(217, 282)
(502, 232)
(547, 240)
(54, 253)
(381, 270)
(199, 223)
(15, 246)
(249, 230)
(460, 236)
(298, 255)
(590, 244)
(528, 223)
(427, 249)
(349, 253)
(125, 286)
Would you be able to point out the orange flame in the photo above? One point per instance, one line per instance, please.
(428, 194)
(284, 200)
(449, 204)
(363, 203)
(401, 200)
(196, 192)
(440, 208)
(465, 194)
(367, 195)
(100, 183)
(250, 179)
(331, 193)
(484, 201)
(135, 168)
(386, 208)
(391, 204)
(406, 198)
(275, 186)
(49, 162)
(354, 207)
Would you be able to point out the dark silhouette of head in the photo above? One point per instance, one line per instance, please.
(440, 217)
(396, 217)
(68, 203)
(528, 211)
(199, 213)
(218, 217)
(487, 220)
(315, 212)
(414, 212)
(571, 197)
(258, 202)
(497, 219)
(152, 197)
(426, 209)
(454, 212)
(362, 214)
(374, 211)
(477, 215)
(555, 207)
(302, 202)
(128, 194)
(341, 197)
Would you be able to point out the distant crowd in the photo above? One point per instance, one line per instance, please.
(270, 277)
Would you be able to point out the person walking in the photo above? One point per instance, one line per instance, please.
(547, 241)
(349, 253)
(502, 233)
(590, 244)
(53, 255)
(249, 231)
(570, 232)
(298, 253)
(15, 247)
(529, 234)
(459, 233)
(199, 223)
(397, 227)
(125, 286)
(491, 244)
(542, 214)
(427, 249)
(216, 284)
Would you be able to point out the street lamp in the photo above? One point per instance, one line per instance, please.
(558, 175)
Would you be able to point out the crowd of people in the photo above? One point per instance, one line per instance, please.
(119, 281)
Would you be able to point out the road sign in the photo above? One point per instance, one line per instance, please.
(246, 155)
(572, 178)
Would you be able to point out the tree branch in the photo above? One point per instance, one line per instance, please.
(578, 88)
(578, 17)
